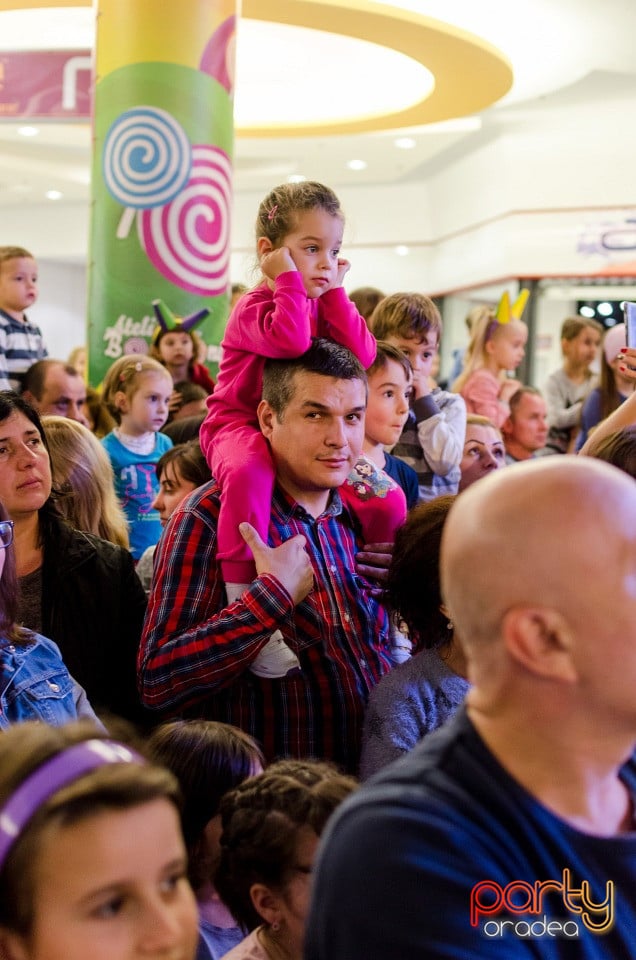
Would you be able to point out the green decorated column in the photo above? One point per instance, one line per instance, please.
(162, 170)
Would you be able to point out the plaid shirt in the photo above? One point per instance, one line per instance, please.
(196, 651)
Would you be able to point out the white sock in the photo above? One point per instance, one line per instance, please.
(234, 591)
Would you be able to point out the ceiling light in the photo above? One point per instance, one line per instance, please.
(53, 195)
(405, 143)
(28, 131)
(605, 309)
(587, 312)
(402, 250)
(357, 164)
(296, 178)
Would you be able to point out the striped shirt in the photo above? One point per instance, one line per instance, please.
(21, 344)
(195, 652)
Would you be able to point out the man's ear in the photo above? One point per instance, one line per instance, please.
(266, 417)
(506, 427)
(263, 246)
(28, 396)
(540, 640)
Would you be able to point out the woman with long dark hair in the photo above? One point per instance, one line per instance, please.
(75, 588)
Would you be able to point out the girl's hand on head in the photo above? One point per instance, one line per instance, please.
(343, 268)
(508, 389)
(276, 262)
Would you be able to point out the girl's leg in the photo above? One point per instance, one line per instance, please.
(242, 464)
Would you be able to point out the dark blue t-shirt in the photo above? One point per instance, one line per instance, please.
(405, 476)
(444, 855)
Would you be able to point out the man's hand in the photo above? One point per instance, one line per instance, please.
(289, 562)
(373, 563)
(276, 262)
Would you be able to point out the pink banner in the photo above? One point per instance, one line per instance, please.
(46, 84)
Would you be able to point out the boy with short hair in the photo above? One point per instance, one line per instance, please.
(21, 342)
(390, 385)
(433, 437)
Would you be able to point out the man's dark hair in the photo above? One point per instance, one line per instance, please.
(35, 377)
(325, 357)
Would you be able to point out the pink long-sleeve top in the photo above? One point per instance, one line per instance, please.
(278, 323)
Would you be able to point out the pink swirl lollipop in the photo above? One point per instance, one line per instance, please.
(188, 240)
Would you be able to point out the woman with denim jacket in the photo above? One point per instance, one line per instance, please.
(34, 682)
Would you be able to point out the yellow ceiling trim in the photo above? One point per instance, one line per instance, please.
(470, 73)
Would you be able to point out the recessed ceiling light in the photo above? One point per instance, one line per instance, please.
(296, 178)
(28, 131)
(402, 250)
(53, 195)
(357, 164)
(405, 143)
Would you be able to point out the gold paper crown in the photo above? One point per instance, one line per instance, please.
(506, 312)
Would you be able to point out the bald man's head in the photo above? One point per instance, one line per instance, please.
(556, 533)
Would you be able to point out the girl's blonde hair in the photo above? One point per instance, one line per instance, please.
(485, 328)
(83, 481)
(124, 376)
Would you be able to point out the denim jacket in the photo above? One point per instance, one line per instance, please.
(35, 684)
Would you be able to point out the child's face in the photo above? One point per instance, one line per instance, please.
(175, 348)
(388, 404)
(508, 345)
(582, 350)
(147, 409)
(420, 352)
(314, 245)
(18, 285)
(112, 885)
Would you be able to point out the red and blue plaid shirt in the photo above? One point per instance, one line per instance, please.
(196, 651)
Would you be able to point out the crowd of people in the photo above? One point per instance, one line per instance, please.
(322, 580)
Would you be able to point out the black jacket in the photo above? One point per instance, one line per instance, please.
(93, 607)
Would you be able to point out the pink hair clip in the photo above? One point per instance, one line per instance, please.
(139, 366)
(272, 212)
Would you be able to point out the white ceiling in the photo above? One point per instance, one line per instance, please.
(576, 53)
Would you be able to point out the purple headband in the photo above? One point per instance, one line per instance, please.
(64, 768)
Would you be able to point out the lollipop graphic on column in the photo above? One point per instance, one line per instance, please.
(187, 240)
(146, 161)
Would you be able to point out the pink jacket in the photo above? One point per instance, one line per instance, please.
(279, 324)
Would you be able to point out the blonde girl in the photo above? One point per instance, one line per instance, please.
(497, 346)
(83, 481)
(136, 391)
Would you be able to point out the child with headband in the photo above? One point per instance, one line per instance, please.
(497, 346)
(92, 860)
(298, 238)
